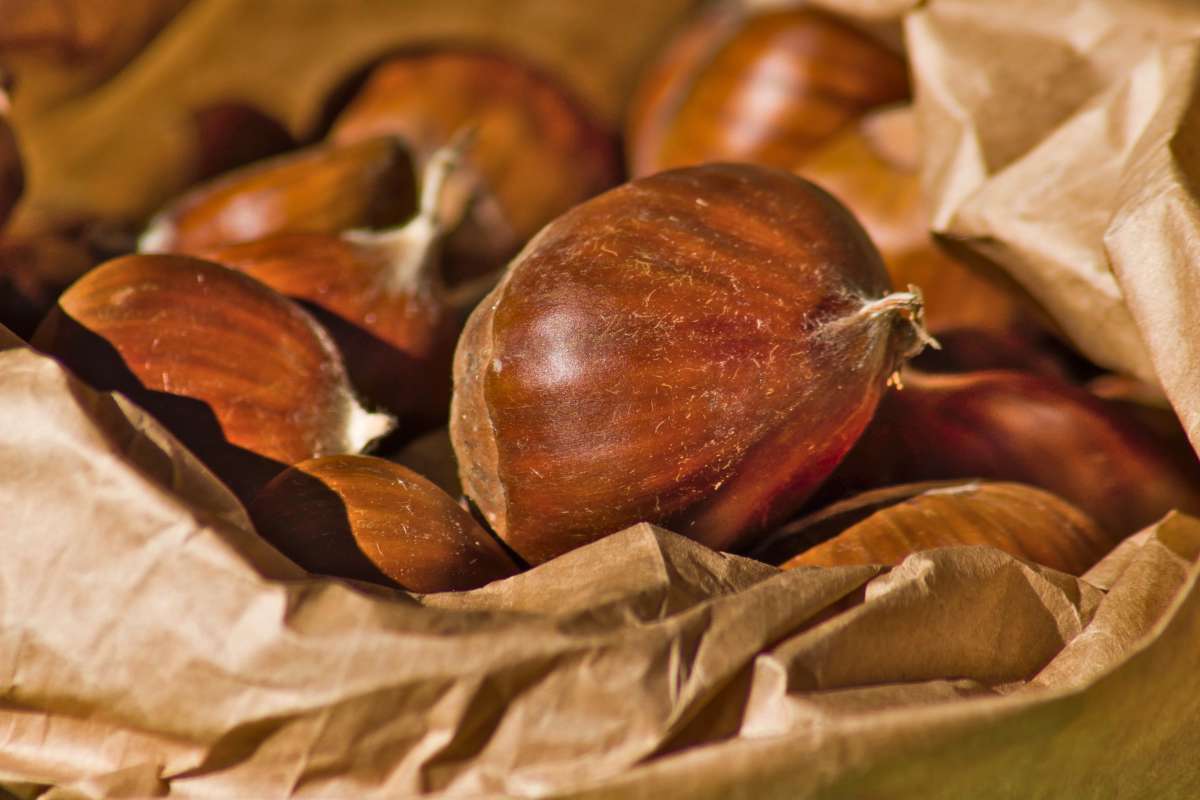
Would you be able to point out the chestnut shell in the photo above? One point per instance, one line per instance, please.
(230, 366)
(766, 87)
(697, 349)
(367, 518)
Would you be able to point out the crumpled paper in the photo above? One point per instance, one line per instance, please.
(1060, 147)
(153, 645)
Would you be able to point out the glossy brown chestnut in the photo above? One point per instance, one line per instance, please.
(381, 296)
(1018, 519)
(322, 189)
(537, 153)
(1017, 427)
(698, 349)
(872, 166)
(367, 518)
(230, 366)
(766, 87)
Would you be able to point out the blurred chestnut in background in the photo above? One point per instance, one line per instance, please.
(367, 518)
(872, 166)
(766, 87)
(538, 152)
(697, 348)
(243, 376)
(1020, 520)
(57, 48)
(231, 135)
(1018, 427)
(12, 172)
(321, 189)
(381, 295)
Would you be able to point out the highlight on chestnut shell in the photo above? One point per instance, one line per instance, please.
(766, 87)
(242, 375)
(367, 518)
(696, 349)
(1033, 429)
(538, 151)
(380, 294)
(1020, 520)
(321, 189)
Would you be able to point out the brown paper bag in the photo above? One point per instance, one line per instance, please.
(155, 646)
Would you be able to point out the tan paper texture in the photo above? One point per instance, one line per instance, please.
(152, 645)
(1060, 146)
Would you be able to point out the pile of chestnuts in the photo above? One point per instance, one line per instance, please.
(746, 336)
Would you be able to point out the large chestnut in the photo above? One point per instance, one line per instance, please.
(1031, 429)
(367, 518)
(698, 349)
(537, 153)
(321, 189)
(381, 295)
(766, 87)
(239, 373)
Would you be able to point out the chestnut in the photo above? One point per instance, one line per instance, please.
(872, 166)
(242, 375)
(1011, 426)
(696, 349)
(12, 172)
(1020, 520)
(366, 518)
(767, 87)
(537, 153)
(321, 189)
(381, 295)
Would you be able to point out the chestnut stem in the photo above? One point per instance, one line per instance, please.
(909, 305)
(413, 249)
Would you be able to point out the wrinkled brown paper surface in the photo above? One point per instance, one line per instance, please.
(152, 645)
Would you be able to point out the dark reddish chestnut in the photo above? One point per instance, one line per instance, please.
(229, 365)
(697, 349)
(1018, 519)
(1017, 427)
(381, 295)
(367, 518)
(767, 87)
(322, 189)
(538, 151)
(872, 167)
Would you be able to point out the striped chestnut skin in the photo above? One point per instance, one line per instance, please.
(1034, 429)
(537, 150)
(381, 295)
(1020, 520)
(321, 189)
(367, 518)
(766, 87)
(696, 349)
(230, 366)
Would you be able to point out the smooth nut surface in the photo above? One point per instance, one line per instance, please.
(219, 357)
(368, 518)
(698, 349)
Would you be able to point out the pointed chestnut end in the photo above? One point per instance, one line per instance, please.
(370, 519)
